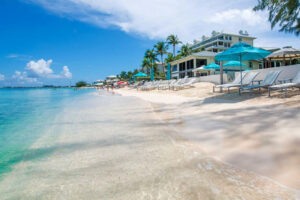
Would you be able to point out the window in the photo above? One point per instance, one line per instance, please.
(250, 65)
(240, 39)
(221, 43)
(190, 64)
(182, 66)
(201, 62)
(174, 68)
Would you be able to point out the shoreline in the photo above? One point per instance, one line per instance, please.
(106, 146)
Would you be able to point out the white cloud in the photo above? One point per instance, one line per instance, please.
(36, 71)
(156, 19)
(2, 77)
(22, 77)
(66, 72)
(41, 68)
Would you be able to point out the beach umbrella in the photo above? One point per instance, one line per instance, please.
(140, 74)
(233, 64)
(242, 52)
(152, 74)
(169, 72)
(212, 66)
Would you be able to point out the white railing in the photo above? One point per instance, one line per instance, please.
(213, 78)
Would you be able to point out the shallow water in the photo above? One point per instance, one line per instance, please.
(97, 145)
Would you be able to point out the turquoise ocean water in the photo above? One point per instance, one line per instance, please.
(24, 117)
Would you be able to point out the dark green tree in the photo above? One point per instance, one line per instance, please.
(146, 65)
(81, 84)
(151, 56)
(173, 40)
(185, 50)
(123, 75)
(161, 49)
(170, 58)
(284, 13)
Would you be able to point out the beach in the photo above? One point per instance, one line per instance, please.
(129, 144)
(251, 131)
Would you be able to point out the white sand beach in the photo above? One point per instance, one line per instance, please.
(109, 146)
(252, 132)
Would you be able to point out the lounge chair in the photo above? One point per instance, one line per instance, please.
(179, 82)
(283, 86)
(269, 80)
(247, 77)
(186, 84)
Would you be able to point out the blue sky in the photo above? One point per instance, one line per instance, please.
(63, 41)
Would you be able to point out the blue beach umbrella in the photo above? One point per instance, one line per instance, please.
(233, 64)
(152, 74)
(169, 72)
(242, 52)
(140, 74)
(212, 66)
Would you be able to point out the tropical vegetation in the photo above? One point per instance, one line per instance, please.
(285, 13)
(81, 84)
(173, 40)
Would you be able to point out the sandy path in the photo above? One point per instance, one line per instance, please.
(123, 150)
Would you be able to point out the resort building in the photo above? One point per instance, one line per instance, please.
(219, 42)
(185, 66)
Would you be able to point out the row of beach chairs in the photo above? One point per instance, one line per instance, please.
(249, 83)
(169, 84)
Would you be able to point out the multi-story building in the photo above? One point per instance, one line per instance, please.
(221, 41)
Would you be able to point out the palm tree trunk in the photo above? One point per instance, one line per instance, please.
(174, 50)
(162, 62)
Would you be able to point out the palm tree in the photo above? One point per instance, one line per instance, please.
(170, 58)
(146, 64)
(161, 49)
(185, 50)
(173, 40)
(151, 56)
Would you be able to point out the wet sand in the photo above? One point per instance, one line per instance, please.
(116, 147)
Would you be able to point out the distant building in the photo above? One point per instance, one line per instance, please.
(111, 79)
(159, 68)
(222, 41)
(98, 83)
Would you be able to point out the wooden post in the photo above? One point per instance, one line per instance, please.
(284, 60)
(221, 72)
(270, 63)
(266, 63)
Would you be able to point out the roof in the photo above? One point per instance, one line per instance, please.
(198, 54)
(205, 54)
(224, 33)
(286, 51)
(112, 76)
(272, 49)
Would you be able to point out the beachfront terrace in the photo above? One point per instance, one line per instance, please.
(185, 66)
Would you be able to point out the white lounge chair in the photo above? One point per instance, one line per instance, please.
(189, 83)
(268, 81)
(294, 83)
(236, 82)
